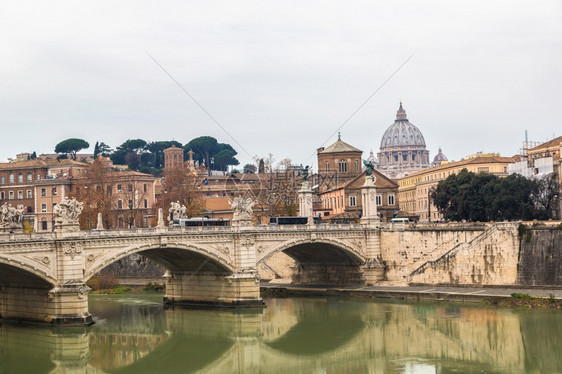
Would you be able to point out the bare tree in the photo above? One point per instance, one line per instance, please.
(94, 188)
(180, 185)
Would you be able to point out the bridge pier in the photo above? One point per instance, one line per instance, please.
(240, 288)
(209, 289)
(65, 305)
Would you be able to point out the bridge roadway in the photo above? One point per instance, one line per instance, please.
(43, 275)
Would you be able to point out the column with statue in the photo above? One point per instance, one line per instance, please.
(305, 196)
(373, 270)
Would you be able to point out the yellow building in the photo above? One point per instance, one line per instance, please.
(414, 189)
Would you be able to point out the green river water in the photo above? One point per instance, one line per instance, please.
(134, 333)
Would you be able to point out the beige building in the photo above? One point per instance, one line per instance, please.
(48, 193)
(414, 189)
(21, 181)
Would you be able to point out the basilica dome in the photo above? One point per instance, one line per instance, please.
(402, 148)
(402, 133)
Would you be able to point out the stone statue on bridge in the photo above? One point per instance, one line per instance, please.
(242, 208)
(177, 211)
(10, 217)
(67, 211)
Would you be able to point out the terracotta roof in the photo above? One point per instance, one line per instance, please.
(340, 146)
(217, 203)
(39, 163)
(551, 143)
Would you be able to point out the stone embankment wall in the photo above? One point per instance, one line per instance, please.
(483, 254)
(404, 248)
(476, 254)
(540, 257)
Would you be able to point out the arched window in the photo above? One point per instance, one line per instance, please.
(11, 178)
(327, 166)
(343, 166)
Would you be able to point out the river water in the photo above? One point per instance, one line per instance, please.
(134, 333)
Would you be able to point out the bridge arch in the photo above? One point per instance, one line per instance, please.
(175, 256)
(23, 273)
(294, 249)
(321, 261)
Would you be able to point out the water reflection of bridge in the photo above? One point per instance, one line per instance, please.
(294, 337)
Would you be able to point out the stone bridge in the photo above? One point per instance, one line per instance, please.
(43, 276)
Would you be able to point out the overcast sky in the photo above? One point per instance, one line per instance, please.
(280, 76)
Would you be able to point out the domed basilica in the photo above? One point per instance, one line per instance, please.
(402, 148)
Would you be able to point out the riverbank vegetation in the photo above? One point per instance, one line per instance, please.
(526, 301)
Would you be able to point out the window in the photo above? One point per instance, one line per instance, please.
(44, 224)
(43, 192)
(38, 176)
(145, 203)
(145, 188)
(29, 177)
(119, 204)
(54, 191)
(2, 195)
(53, 205)
(129, 188)
(20, 177)
(29, 194)
(357, 166)
(3, 180)
(20, 194)
(390, 199)
(11, 194)
(327, 166)
(379, 200)
(11, 178)
(119, 188)
(343, 166)
(352, 201)
(130, 204)
(44, 208)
